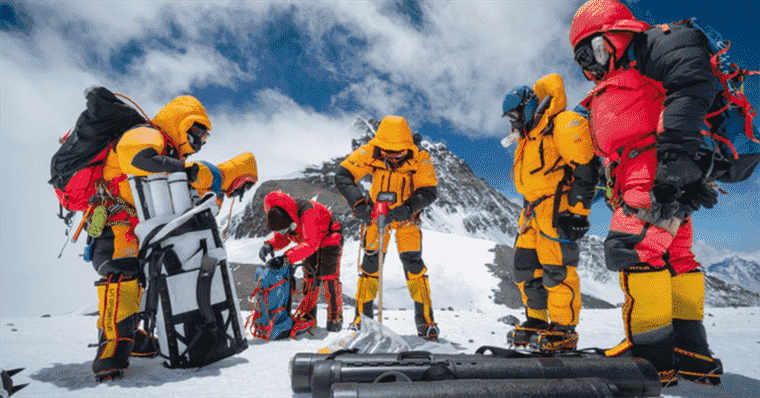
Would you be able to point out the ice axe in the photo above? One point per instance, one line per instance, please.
(380, 217)
(8, 388)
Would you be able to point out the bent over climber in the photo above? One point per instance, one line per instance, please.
(556, 171)
(319, 244)
(654, 87)
(398, 166)
(178, 130)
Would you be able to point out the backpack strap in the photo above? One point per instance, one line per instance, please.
(727, 76)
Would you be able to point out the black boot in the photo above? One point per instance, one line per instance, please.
(556, 338)
(145, 346)
(520, 336)
(334, 326)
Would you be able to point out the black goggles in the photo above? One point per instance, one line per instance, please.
(584, 56)
(513, 115)
(200, 131)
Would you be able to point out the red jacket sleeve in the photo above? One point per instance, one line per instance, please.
(315, 225)
(278, 241)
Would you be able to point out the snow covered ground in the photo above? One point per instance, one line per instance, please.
(57, 359)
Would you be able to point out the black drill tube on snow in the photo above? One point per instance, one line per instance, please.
(632, 376)
(592, 387)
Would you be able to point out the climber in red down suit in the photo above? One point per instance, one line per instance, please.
(319, 243)
(654, 87)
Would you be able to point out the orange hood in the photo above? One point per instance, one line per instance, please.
(178, 116)
(394, 134)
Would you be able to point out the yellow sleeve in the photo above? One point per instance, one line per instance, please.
(134, 141)
(425, 175)
(572, 138)
(358, 162)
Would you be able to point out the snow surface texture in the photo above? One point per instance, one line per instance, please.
(55, 352)
(57, 359)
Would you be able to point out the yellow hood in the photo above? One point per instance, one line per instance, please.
(551, 85)
(176, 118)
(393, 135)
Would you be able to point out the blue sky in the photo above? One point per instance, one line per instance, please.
(285, 80)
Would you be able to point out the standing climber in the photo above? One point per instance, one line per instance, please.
(396, 165)
(654, 87)
(556, 171)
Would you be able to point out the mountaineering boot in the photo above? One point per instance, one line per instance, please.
(520, 336)
(145, 346)
(333, 326)
(554, 339)
(356, 325)
(119, 303)
(428, 332)
(333, 290)
(692, 353)
(419, 290)
(698, 368)
(366, 291)
(334, 296)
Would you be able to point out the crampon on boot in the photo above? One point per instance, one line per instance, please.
(356, 325)
(334, 326)
(428, 332)
(556, 338)
(520, 336)
(700, 369)
(145, 346)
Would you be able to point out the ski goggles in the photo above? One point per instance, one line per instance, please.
(199, 134)
(393, 155)
(513, 115)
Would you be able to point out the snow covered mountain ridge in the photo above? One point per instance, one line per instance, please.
(468, 206)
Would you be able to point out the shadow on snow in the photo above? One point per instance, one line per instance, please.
(142, 372)
(732, 386)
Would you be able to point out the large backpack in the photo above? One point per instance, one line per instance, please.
(271, 300)
(190, 300)
(732, 143)
(78, 164)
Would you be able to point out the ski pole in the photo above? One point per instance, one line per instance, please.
(379, 215)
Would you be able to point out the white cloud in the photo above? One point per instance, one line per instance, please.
(283, 135)
(466, 56)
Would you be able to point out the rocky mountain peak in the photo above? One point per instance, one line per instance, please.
(466, 204)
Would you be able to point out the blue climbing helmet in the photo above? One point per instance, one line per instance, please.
(519, 106)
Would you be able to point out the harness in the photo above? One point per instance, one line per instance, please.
(559, 191)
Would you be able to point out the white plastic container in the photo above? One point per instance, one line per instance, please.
(159, 192)
(141, 196)
(180, 192)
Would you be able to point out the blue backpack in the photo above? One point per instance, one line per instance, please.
(731, 148)
(271, 317)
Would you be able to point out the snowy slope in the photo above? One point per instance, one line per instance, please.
(57, 359)
(55, 352)
(455, 265)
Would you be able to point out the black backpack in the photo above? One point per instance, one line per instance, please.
(78, 163)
